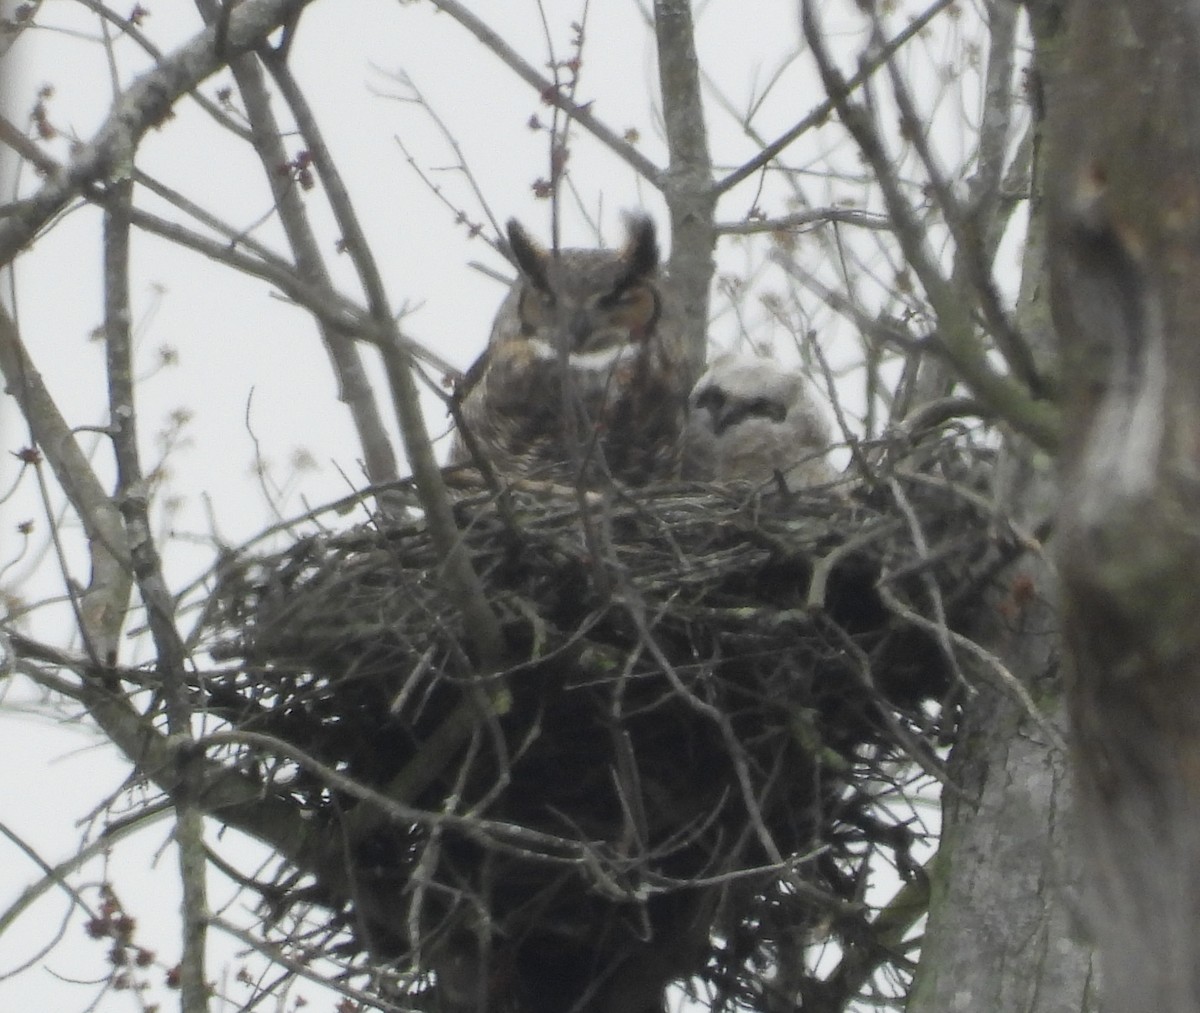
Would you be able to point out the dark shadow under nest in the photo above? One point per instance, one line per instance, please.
(713, 706)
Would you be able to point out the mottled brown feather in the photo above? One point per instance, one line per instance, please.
(585, 372)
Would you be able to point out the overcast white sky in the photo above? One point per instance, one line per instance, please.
(251, 371)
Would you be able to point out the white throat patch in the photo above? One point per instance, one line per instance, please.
(601, 360)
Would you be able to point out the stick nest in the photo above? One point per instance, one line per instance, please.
(714, 706)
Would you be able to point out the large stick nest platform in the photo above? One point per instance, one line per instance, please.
(695, 752)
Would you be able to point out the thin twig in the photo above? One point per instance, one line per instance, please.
(821, 113)
(1010, 398)
(354, 389)
(1006, 678)
(546, 91)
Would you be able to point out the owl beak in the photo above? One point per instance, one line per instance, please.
(722, 415)
(579, 328)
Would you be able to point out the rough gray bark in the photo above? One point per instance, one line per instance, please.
(1002, 933)
(687, 184)
(1125, 253)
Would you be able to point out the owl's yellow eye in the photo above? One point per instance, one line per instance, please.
(535, 309)
(634, 307)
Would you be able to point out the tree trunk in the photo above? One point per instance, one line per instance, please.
(1000, 935)
(1125, 255)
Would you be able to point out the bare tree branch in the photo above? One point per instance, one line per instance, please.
(481, 623)
(581, 114)
(108, 156)
(801, 219)
(333, 309)
(132, 499)
(971, 267)
(1010, 398)
(353, 388)
(129, 29)
(821, 113)
(103, 606)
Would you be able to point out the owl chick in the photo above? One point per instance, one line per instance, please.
(749, 420)
(585, 373)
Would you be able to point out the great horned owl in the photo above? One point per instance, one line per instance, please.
(749, 420)
(585, 373)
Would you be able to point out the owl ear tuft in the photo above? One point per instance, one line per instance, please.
(640, 253)
(530, 257)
